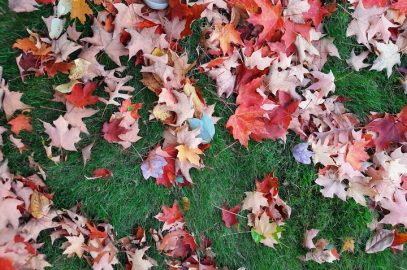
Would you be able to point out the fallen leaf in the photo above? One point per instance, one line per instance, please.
(19, 123)
(80, 9)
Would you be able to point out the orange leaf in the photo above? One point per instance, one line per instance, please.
(357, 154)
(28, 45)
(80, 9)
(399, 238)
(227, 34)
(19, 123)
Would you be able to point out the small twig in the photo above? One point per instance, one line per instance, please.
(224, 149)
(52, 109)
(229, 234)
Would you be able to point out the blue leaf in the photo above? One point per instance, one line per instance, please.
(206, 125)
(302, 154)
(153, 166)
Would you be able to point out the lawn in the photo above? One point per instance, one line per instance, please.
(127, 200)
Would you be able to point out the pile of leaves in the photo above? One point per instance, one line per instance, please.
(267, 211)
(179, 245)
(270, 54)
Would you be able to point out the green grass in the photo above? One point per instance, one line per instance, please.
(127, 200)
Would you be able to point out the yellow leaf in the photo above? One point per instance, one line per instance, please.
(39, 204)
(348, 245)
(79, 10)
(186, 153)
(79, 70)
(186, 204)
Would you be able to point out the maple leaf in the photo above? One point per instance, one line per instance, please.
(75, 116)
(138, 262)
(317, 12)
(191, 154)
(153, 165)
(11, 101)
(80, 9)
(390, 129)
(308, 238)
(257, 61)
(247, 5)
(112, 130)
(301, 153)
(269, 18)
(397, 208)
(168, 177)
(127, 106)
(170, 215)
(332, 185)
(400, 5)
(61, 136)
(226, 34)
(348, 245)
(269, 232)
(11, 214)
(254, 200)
(184, 11)
(82, 96)
(291, 30)
(356, 61)
(76, 246)
(357, 154)
(19, 123)
(178, 243)
(94, 232)
(229, 216)
(388, 57)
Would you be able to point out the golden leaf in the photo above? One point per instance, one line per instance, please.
(39, 204)
(186, 153)
(80, 9)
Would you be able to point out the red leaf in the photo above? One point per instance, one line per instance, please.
(102, 173)
(82, 96)
(251, 120)
(178, 243)
(229, 215)
(111, 130)
(183, 11)
(317, 12)
(168, 177)
(389, 129)
(127, 106)
(19, 123)
(94, 231)
(269, 183)
(374, 3)
(269, 18)
(401, 6)
(52, 68)
(6, 264)
(291, 30)
(170, 214)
